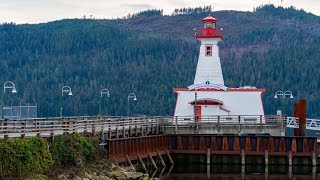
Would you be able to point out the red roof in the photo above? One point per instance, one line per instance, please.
(209, 19)
(207, 101)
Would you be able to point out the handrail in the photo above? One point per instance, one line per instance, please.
(98, 123)
(73, 124)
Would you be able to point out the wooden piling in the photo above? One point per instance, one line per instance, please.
(243, 158)
(152, 161)
(290, 158)
(302, 105)
(208, 156)
(161, 159)
(170, 159)
(314, 159)
(142, 163)
(130, 164)
(266, 157)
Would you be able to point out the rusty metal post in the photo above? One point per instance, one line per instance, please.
(302, 117)
(296, 115)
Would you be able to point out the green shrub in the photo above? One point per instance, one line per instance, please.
(20, 157)
(40, 177)
(71, 149)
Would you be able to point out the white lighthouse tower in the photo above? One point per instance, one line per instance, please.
(208, 95)
(209, 67)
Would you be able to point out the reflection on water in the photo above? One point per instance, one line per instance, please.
(235, 172)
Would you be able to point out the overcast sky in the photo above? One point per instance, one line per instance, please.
(36, 11)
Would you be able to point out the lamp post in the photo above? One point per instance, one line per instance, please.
(130, 96)
(102, 92)
(283, 95)
(6, 85)
(64, 89)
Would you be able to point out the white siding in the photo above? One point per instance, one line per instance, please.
(209, 67)
(238, 103)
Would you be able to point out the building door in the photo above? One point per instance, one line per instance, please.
(198, 113)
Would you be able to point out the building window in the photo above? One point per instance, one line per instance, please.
(208, 51)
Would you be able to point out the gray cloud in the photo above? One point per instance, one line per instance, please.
(138, 6)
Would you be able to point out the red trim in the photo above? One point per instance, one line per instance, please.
(207, 51)
(179, 89)
(200, 36)
(207, 101)
(229, 89)
(209, 18)
(198, 112)
(224, 109)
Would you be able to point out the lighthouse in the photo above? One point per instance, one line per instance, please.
(209, 67)
(208, 95)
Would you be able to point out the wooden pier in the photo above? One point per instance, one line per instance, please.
(209, 146)
(119, 127)
(136, 138)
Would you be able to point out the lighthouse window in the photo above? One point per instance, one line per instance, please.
(209, 25)
(208, 50)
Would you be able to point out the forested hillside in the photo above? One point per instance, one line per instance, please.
(150, 53)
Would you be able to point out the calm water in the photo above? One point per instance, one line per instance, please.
(235, 172)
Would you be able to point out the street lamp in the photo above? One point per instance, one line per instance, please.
(6, 85)
(64, 89)
(283, 95)
(130, 96)
(102, 92)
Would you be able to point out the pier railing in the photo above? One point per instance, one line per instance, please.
(95, 124)
(228, 120)
(227, 124)
(60, 125)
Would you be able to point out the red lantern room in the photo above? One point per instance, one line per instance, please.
(209, 28)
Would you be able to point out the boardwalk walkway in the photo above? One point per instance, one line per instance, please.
(115, 127)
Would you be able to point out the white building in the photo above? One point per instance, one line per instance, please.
(208, 96)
